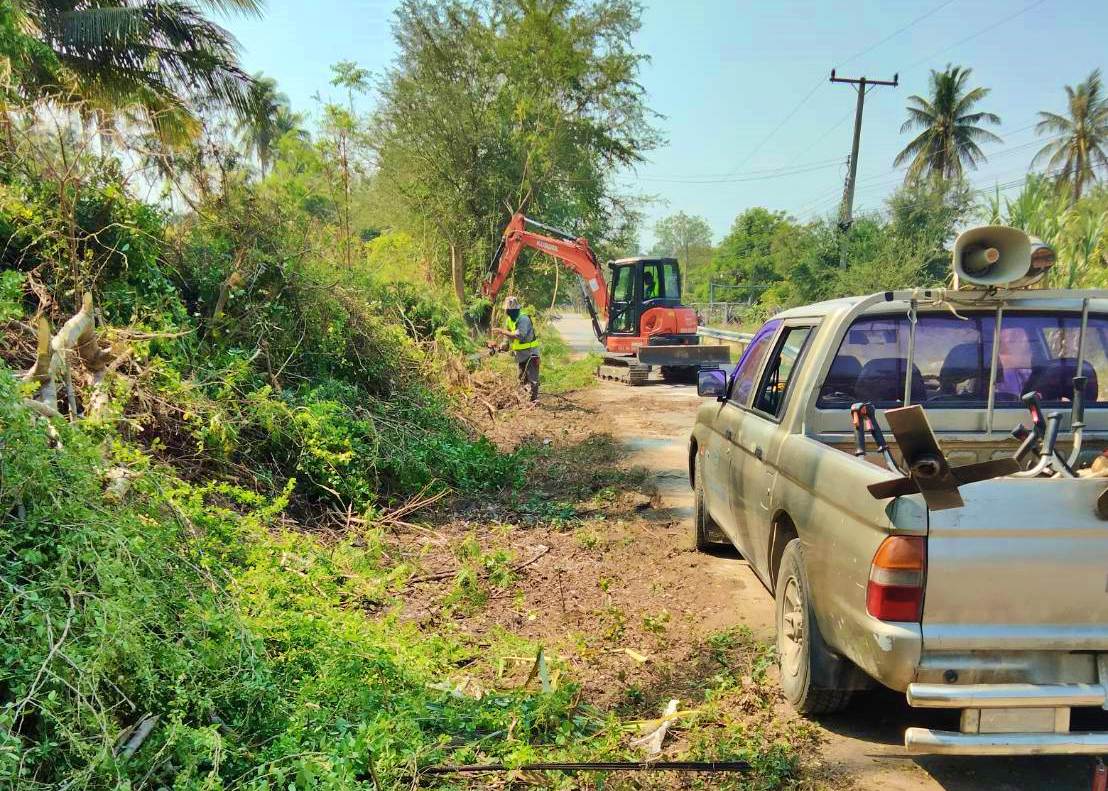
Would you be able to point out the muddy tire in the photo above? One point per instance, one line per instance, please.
(705, 532)
(800, 647)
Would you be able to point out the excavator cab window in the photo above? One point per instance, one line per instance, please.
(660, 280)
(623, 316)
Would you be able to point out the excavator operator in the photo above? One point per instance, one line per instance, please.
(520, 332)
(649, 287)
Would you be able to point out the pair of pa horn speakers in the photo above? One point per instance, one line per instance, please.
(998, 256)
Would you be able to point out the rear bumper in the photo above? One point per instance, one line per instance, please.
(999, 696)
(1007, 719)
(925, 740)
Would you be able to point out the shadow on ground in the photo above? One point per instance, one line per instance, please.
(881, 715)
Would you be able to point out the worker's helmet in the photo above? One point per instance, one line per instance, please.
(511, 303)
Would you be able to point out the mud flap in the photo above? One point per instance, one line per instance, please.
(831, 671)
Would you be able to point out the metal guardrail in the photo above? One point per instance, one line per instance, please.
(725, 335)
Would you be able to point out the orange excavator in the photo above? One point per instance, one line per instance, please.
(645, 326)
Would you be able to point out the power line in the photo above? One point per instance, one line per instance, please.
(881, 180)
(873, 184)
(981, 32)
(896, 32)
(816, 87)
(1007, 185)
(750, 176)
(777, 128)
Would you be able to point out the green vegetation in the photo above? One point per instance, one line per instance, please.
(689, 240)
(194, 545)
(249, 641)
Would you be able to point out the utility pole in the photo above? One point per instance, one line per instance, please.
(846, 217)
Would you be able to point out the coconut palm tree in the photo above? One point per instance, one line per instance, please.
(950, 136)
(1078, 141)
(155, 55)
(268, 120)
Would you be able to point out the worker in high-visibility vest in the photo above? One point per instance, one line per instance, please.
(523, 342)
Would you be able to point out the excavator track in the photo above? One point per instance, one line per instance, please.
(623, 369)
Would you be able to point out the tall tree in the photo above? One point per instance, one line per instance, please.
(499, 106)
(267, 119)
(349, 75)
(686, 237)
(153, 55)
(345, 131)
(1079, 140)
(951, 131)
(743, 259)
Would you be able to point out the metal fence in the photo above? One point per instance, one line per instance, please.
(721, 314)
(725, 335)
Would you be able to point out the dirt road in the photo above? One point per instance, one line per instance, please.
(653, 423)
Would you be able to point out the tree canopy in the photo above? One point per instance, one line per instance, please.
(1079, 140)
(497, 107)
(688, 238)
(951, 134)
(156, 57)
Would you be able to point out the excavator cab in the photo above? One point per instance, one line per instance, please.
(637, 285)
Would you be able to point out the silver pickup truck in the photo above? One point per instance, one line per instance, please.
(997, 606)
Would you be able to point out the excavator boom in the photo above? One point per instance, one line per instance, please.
(574, 253)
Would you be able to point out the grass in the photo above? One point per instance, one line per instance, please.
(561, 372)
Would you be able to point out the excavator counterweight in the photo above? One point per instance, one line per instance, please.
(637, 314)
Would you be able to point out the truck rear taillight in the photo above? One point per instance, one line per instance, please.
(895, 590)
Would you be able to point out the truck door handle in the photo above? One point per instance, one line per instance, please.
(757, 453)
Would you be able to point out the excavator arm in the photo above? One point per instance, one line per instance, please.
(574, 253)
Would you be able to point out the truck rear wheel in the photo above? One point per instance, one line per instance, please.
(706, 534)
(800, 647)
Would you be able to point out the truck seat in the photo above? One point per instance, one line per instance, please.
(882, 382)
(838, 387)
(1054, 379)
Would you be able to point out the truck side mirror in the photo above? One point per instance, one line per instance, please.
(711, 383)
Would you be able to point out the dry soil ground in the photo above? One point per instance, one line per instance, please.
(711, 592)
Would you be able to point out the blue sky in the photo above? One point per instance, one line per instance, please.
(742, 86)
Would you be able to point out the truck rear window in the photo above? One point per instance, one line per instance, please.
(953, 356)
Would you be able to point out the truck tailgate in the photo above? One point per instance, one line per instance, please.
(1023, 566)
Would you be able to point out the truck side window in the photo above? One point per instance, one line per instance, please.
(779, 370)
(746, 373)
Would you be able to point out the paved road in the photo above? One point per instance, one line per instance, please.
(576, 330)
(867, 739)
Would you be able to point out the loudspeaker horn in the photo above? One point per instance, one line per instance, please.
(1000, 257)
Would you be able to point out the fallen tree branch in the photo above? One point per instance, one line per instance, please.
(78, 334)
(138, 735)
(442, 575)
